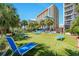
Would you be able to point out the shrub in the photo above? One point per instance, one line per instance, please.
(18, 36)
(2, 45)
(67, 30)
(76, 30)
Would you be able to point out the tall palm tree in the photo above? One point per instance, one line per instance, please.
(77, 8)
(49, 22)
(8, 17)
(30, 26)
(24, 23)
(36, 25)
(33, 25)
(42, 24)
(74, 28)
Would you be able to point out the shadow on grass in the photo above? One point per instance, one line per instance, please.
(72, 53)
(9, 52)
(39, 50)
(1, 53)
(43, 50)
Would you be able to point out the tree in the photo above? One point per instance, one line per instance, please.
(24, 23)
(77, 8)
(76, 30)
(49, 22)
(75, 22)
(33, 25)
(36, 25)
(75, 26)
(42, 23)
(8, 17)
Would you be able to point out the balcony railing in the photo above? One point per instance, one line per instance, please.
(68, 4)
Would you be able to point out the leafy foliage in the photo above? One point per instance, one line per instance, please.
(34, 25)
(77, 8)
(75, 26)
(8, 17)
(24, 22)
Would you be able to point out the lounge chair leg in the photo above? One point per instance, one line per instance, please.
(12, 54)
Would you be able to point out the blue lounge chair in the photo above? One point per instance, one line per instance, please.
(21, 50)
(60, 37)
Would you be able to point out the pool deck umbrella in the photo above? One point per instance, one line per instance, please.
(20, 50)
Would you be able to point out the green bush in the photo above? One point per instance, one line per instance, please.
(75, 26)
(67, 30)
(18, 36)
(2, 45)
(76, 30)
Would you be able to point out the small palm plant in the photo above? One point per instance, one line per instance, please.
(2, 46)
(76, 30)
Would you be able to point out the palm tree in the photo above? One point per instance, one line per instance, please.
(30, 26)
(24, 23)
(77, 8)
(33, 25)
(8, 17)
(42, 24)
(75, 26)
(49, 22)
(36, 25)
(75, 23)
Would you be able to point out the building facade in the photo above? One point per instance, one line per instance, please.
(69, 14)
(51, 11)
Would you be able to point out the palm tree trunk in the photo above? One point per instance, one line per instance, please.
(50, 27)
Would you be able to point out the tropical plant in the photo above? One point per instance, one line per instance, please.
(24, 23)
(2, 44)
(75, 26)
(42, 24)
(8, 17)
(77, 8)
(49, 22)
(76, 30)
(33, 25)
(67, 30)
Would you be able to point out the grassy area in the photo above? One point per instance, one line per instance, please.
(49, 45)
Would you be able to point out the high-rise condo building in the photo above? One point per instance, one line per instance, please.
(69, 14)
(51, 11)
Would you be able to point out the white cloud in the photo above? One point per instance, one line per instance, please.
(32, 19)
(61, 25)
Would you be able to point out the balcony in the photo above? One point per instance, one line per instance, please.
(68, 4)
(70, 14)
(66, 10)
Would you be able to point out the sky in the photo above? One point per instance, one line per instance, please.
(28, 11)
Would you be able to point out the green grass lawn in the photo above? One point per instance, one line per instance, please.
(48, 45)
